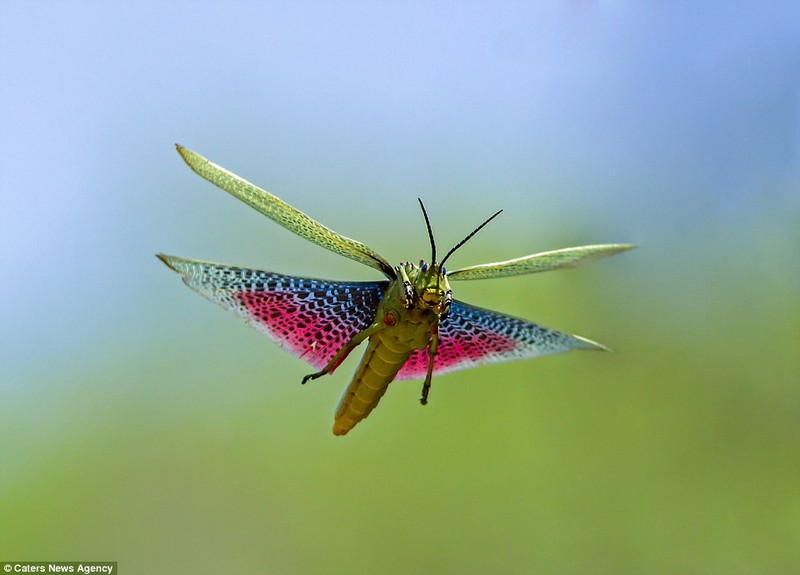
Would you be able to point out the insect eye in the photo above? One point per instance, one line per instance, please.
(444, 271)
(424, 266)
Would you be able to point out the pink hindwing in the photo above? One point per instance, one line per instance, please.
(471, 335)
(310, 318)
(313, 318)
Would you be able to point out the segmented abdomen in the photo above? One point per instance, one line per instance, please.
(381, 362)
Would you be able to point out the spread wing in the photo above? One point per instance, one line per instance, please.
(542, 262)
(282, 213)
(310, 318)
(471, 335)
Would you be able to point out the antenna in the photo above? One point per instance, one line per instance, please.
(430, 231)
(466, 239)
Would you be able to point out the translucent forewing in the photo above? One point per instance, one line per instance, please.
(541, 262)
(279, 211)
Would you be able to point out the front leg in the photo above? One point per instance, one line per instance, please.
(432, 347)
(346, 349)
(405, 290)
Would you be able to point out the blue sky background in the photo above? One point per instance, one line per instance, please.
(671, 125)
(629, 121)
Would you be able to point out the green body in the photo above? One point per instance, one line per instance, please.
(401, 326)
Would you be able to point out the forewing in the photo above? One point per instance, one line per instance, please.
(288, 216)
(310, 318)
(471, 335)
(542, 262)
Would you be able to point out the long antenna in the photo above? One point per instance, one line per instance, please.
(430, 231)
(466, 239)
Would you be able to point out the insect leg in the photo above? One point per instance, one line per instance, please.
(346, 349)
(432, 347)
(404, 286)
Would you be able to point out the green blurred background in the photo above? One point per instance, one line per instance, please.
(141, 424)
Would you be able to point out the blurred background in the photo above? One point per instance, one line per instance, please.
(141, 424)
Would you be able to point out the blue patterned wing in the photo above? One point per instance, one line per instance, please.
(311, 318)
